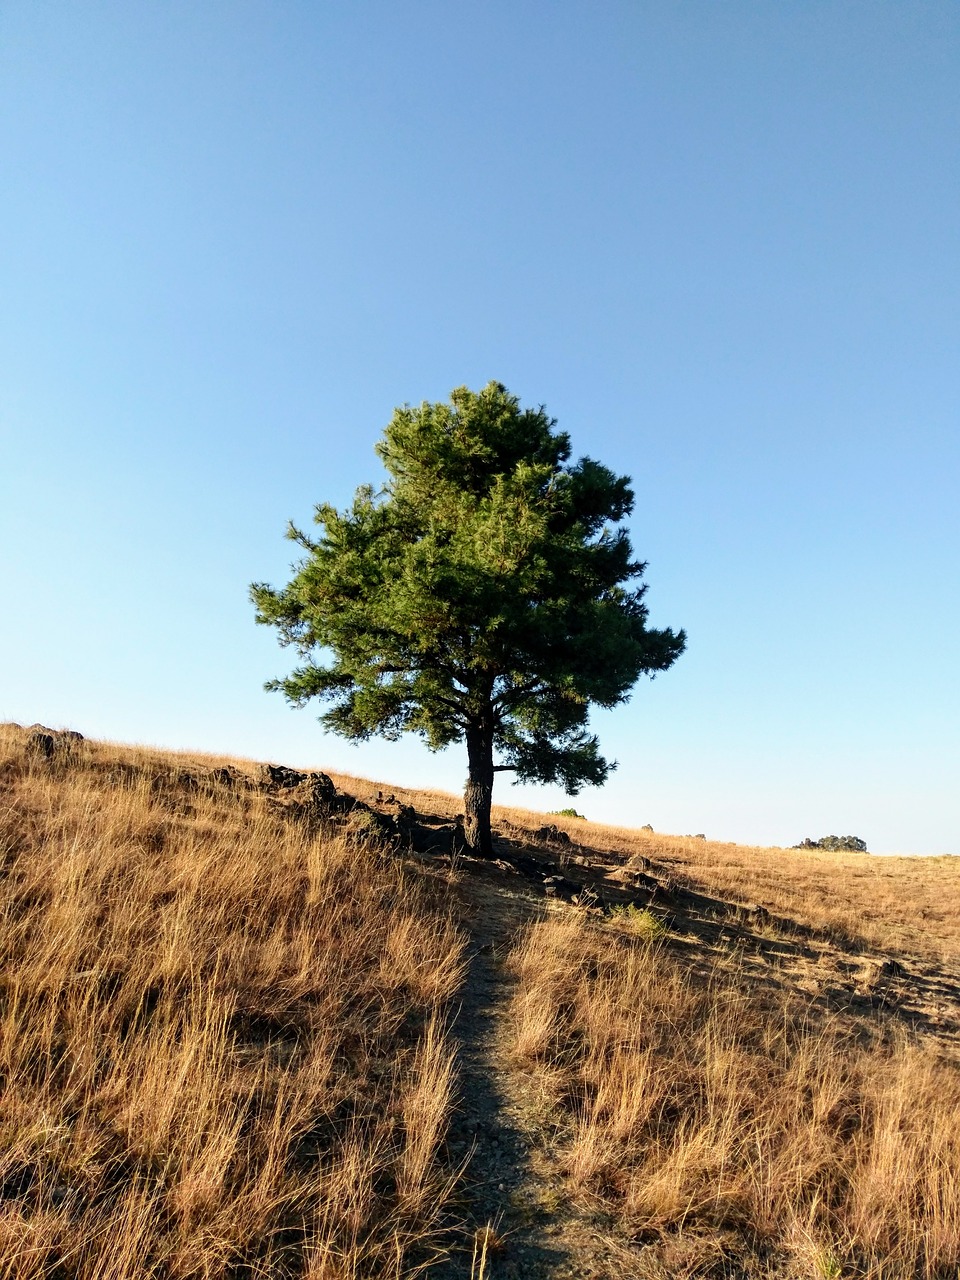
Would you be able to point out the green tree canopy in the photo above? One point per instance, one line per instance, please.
(487, 593)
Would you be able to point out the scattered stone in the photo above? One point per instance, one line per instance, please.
(41, 744)
(551, 833)
(275, 777)
(561, 887)
(321, 787)
(226, 777)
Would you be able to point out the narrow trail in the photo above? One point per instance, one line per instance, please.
(511, 1190)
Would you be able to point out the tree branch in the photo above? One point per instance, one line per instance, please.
(519, 693)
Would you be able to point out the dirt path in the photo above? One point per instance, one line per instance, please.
(511, 1191)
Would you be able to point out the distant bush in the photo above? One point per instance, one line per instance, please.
(566, 813)
(851, 843)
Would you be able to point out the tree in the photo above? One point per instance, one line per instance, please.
(482, 594)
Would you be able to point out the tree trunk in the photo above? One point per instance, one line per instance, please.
(478, 793)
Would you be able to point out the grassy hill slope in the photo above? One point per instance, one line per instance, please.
(250, 1028)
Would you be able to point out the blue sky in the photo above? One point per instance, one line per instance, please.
(718, 242)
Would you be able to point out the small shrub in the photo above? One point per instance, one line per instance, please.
(639, 921)
(566, 813)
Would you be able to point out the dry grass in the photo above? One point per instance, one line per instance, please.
(732, 1128)
(223, 1047)
(908, 906)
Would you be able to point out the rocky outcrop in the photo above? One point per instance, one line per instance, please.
(44, 743)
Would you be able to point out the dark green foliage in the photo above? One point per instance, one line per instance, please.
(566, 813)
(850, 843)
(485, 593)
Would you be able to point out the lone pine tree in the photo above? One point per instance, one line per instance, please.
(486, 593)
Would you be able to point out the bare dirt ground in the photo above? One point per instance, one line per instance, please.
(514, 1215)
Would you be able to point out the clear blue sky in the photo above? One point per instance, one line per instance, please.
(720, 243)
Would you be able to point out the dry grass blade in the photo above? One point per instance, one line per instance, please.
(203, 1071)
(736, 1126)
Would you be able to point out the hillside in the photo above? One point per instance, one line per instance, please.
(259, 1023)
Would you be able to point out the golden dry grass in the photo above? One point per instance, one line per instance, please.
(734, 1128)
(223, 1040)
(225, 1052)
(906, 905)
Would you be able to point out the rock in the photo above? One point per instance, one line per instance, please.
(560, 887)
(365, 824)
(321, 787)
(274, 777)
(646, 827)
(46, 742)
(445, 839)
(507, 867)
(224, 776)
(41, 744)
(402, 812)
(551, 833)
